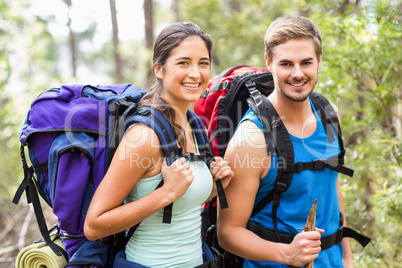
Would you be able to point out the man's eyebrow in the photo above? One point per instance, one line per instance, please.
(287, 61)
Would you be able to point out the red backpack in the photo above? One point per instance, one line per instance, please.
(221, 110)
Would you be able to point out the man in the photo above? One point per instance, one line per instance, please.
(293, 56)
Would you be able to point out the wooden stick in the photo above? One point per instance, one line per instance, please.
(310, 226)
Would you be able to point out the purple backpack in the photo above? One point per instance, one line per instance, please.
(72, 133)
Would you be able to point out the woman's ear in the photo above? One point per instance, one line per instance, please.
(158, 70)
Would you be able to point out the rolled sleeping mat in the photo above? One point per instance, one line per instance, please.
(40, 255)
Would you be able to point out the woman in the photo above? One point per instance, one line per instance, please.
(181, 64)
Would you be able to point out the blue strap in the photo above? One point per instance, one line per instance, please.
(162, 128)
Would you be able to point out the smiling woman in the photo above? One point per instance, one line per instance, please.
(184, 77)
(181, 64)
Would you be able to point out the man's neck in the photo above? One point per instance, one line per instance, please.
(289, 110)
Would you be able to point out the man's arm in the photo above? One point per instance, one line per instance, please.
(248, 159)
(347, 251)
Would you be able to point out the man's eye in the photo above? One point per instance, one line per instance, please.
(205, 63)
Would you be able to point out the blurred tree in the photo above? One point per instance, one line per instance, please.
(175, 9)
(118, 77)
(72, 42)
(149, 35)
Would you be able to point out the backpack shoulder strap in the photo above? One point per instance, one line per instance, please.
(330, 121)
(155, 120)
(278, 141)
(205, 152)
(223, 74)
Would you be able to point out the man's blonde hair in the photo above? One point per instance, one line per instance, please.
(286, 28)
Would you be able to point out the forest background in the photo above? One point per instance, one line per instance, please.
(361, 74)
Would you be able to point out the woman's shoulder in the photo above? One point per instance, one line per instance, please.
(141, 137)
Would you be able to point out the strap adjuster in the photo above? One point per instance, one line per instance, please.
(299, 167)
(144, 112)
(339, 235)
(318, 164)
(280, 186)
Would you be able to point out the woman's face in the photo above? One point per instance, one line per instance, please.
(185, 74)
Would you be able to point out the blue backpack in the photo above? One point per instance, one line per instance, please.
(72, 133)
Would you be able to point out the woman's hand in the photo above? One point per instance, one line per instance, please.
(221, 170)
(177, 177)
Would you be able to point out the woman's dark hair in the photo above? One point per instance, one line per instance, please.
(168, 39)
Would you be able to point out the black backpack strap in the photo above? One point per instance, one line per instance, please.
(330, 121)
(276, 137)
(206, 152)
(326, 242)
(215, 83)
(29, 185)
(285, 155)
(259, 105)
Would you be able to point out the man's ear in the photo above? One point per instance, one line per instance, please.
(267, 62)
(158, 70)
(319, 61)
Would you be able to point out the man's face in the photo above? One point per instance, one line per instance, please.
(294, 66)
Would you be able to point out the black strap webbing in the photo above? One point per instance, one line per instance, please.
(326, 242)
(206, 155)
(29, 185)
(132, 229)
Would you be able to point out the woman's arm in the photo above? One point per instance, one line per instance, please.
(138, 156)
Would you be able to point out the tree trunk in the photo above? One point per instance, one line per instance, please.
(149, 35)
(117, 58)
(234, 5)
(342, 9)
(175, 9)
(305, 12)
(72, 42)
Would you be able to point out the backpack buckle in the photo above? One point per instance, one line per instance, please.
(318, 164)
(280, 186)
(339, 235)
(144, 112)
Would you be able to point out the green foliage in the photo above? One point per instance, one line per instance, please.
(361, 72)
(238, 35)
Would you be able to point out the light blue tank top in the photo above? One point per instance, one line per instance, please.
(306, 186)
(178, 244)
